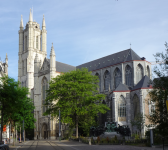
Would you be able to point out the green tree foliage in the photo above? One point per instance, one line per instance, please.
(159, 95)
(75, 94)
(15, 105)
(138, 122)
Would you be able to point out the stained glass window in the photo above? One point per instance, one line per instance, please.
(128, 75)
(121, 107)
(139, 73)
(44, 88)
(107, 80)
(117, 77)
(136, 105)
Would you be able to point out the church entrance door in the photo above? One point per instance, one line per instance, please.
(44, 131)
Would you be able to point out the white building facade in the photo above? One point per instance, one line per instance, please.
(124, 77)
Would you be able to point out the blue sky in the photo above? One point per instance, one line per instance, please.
(84, 30)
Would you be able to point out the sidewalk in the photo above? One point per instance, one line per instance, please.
(17, 145)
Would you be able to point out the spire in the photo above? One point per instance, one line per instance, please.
(30, 16)
(21, 22)
(52, 51)
(43, 23)
(6, 59)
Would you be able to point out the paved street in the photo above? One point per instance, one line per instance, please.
(70, 145)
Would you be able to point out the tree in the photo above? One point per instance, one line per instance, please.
(75, 94)
(15, 105)
(159, 94)
(138, 122)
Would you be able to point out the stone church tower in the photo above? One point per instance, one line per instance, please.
(35, 71)
(32, 41)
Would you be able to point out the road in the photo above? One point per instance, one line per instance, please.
(70, 145)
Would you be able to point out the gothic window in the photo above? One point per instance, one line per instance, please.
(99, 84)
(106, 80)
(117, 77)
(139, 73)
(104, 116)
(151, 107)
(128, 75)
(136, 105)
(37, 42)
(148, 71)
(22, 84)
(25, 43)
(121, 107)
(44, 88)
(22, 68)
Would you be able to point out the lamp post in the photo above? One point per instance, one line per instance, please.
(59, 125)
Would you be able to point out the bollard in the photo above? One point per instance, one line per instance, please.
(90, 141)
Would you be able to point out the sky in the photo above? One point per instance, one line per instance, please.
(85, 30)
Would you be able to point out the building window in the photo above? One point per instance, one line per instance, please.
(107, 80)
(151, 107)
(128, 75)
(44, 88)
(117, 77)
(22, 68)
(121, 107)
(139, 73)
(37, 42)
(148, 71)
(136, 105)
(25, 43)
(99, 84)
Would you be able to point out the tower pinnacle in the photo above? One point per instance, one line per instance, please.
(30, 16)
(43, 23)
(21, 22)
(52, 53)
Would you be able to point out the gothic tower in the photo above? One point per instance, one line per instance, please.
(32, 41)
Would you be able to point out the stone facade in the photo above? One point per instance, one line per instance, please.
(124, 77)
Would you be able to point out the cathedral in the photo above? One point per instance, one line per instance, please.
(124, 77)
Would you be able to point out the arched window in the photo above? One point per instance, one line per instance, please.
(104, 116)
(121, 107)
(22, 68)
(139, 73)
(44, 88)
(36, 42)
(136, 105)
(99, 82)
(117, 77)
(148, 71)
(128, 75)
(106, 80)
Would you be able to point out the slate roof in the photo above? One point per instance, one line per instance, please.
(122, 87)
(61, 67)
(143, 83)
(123, 56)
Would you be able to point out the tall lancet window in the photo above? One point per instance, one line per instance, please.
(107, 80)
(117, 77)
(128, 75)
(37, 42)
(22, 68)
(25, 43)
(44, 88)
(148, 71)
(99, 84)
(136, 105)
(139, 73)
(121, 108)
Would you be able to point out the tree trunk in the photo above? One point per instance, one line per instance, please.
(14, 135)
(20, 135)
(76, 126)
(24, 135)
(9, 132)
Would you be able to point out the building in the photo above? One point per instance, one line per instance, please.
(124, 77)
(3, 72)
